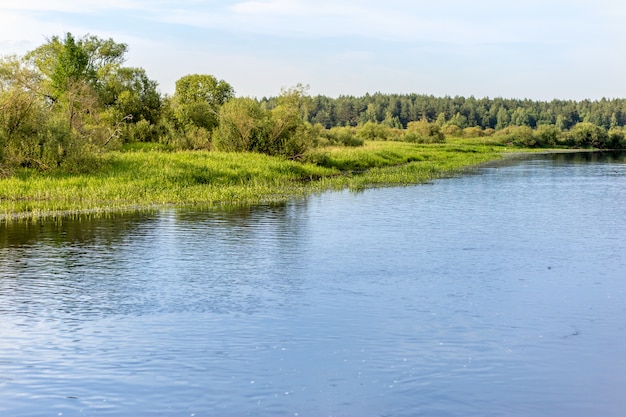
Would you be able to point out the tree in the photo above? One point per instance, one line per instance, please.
(441, 119)
(26, 121)
(131, 95)
(198, 99)
(391, 121)
(587, 134)
(520, 117)
(69, 97)
(547, 135)
(503, 118)
(241, 124)
(370, 115)
(73, 73)
(458, 120)
(286, 132)
(63, 62)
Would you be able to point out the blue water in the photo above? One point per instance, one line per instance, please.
(499, 293)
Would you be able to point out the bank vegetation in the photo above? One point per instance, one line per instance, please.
(80, 131)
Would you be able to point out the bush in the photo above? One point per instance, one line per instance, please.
(617, 138)
(242, 121)
(423, 132)
(547, 135)
(451, 130)
(517, 136)
(586, 134)
(373, 131)
(473, 132)
(344, 136)
(142, 131)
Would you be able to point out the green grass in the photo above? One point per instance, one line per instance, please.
(144, 178)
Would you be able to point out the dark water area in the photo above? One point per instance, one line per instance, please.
(500, 293)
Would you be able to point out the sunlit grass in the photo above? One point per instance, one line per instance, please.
(143, 179)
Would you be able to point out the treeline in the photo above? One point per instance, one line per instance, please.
(70, 100)
(397, 110)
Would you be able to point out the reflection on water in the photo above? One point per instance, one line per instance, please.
(492, 294)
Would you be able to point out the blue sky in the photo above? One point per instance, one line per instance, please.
(566, 49)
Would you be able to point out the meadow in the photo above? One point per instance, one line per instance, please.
(148, 177)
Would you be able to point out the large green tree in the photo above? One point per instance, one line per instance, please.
(129, 93)
(63, 62)
(198, 99)
(242, 123)
(70, 97)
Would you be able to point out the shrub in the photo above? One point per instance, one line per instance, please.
(241, 124)
(547, 135)
(473, 132)
(517, 136)
(617, 138)
(586, 134)
(344, 136)
(451, 130)
(423, 132)
(373, 131)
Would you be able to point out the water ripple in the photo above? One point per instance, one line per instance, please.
(492, 294)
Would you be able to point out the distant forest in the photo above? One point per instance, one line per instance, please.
(397, 110)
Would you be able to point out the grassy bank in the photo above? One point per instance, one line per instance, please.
(149, 178)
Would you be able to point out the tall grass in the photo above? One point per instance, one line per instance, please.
(400, 163)
(147, 178)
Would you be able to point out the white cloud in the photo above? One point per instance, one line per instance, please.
(451, 21)
(275, 7)
(351, 46)
(70, 6)
(17, 34)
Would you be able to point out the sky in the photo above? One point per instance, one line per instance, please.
(536, 49)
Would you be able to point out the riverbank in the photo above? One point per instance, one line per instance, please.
(149, 178)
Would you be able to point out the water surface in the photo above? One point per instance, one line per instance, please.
(495, 294)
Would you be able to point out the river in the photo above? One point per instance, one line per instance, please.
(497, 293)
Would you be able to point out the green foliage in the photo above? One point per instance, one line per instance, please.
(391, 121)
(517, 136)
(31, 135)
(547, 135)
(286, 133)
(72, 66)
(464, 112)
(343, 136)
(142, 131)
(459, 120)
(423, 132)
(374, 131)
(194, 137)
(242, 123)
(585, 134)
(473, 132)
(129, 93)
(198, 98)
(62, 62)
(617, 138)
(452, 130)
(73, 100)
(441, 119)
